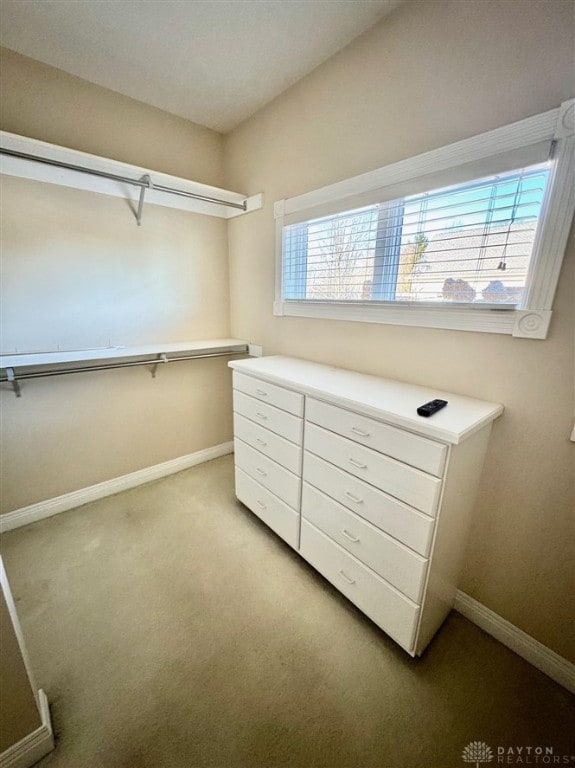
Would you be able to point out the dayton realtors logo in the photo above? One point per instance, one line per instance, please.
(479, 753)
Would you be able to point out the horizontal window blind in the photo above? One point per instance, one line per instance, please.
(463, 244)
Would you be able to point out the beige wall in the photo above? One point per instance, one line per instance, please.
(78, 272)
(430, 74)
(45, 103)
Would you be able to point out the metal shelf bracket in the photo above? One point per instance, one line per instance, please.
(11, 377)
(162, 359)
(146, 178)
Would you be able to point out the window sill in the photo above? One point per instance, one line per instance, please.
(521, 323)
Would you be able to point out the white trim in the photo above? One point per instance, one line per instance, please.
(551, 238)
(452, 318)
(566, 120)
(522, 323)
(28, 169)
(33, 747)
(552, 664)
(42, 509)
(531, 323)
(531, 320)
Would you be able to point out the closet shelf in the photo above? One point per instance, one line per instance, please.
(32, 159)
(15, 367)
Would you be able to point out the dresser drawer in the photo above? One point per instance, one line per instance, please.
(394, 562)
(280, 518)
(387, 607)
(289, 401)
(417, 488)
(412, 449)
(275, 447)
(404, 523)
(268, 473)
(280, 422)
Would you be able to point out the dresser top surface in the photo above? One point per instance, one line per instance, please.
(394, 402)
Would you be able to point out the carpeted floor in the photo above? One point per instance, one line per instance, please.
(171, 629)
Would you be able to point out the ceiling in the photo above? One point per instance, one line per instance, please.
(211, 61)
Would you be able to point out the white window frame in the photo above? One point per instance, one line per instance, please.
(530, 320)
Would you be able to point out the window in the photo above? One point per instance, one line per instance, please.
(470, 243)
(474, 243)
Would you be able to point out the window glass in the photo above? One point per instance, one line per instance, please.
(470, 243)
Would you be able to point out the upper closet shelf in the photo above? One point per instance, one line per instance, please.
(38, 160)
(16, 367)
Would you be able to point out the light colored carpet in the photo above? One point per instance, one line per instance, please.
(171, 629)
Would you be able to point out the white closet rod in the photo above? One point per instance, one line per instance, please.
(144, 183)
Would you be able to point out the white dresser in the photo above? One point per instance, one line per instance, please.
(375, 497)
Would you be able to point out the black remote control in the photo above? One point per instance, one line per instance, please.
(432, 407)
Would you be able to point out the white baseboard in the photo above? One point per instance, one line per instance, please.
(556, 667)
(35, 745)
(42, 509)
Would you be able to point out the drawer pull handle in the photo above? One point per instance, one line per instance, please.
(262, 505)
(357, 463)
(348, 535)
(261, 472)
(261, 392)
(353, 498)
(261, 415)
(260, 441)
(360, 432)
(346, 577)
